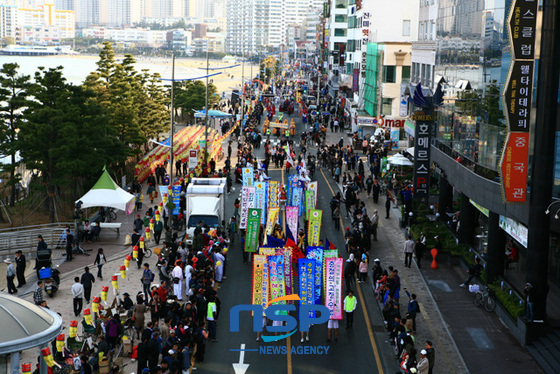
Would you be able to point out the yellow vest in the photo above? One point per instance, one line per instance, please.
(210, 312)
(349, 305)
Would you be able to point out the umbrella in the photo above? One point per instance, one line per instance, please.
(400, 161)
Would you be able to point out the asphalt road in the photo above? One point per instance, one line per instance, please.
(360, 350)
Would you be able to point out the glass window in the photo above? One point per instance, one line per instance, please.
(389, 74)
(352, 22)
(339, 32)
(341, 18)
(349, 68)
(405, 76)
(341, 4)
(406, 27)
(387, 106)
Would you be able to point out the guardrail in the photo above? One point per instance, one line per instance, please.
(25, 238)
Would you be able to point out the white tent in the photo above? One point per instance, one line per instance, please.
(106, 193)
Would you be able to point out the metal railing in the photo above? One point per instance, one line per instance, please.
(25, 238)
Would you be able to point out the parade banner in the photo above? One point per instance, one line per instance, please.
(260, 199)
(292, 183)
(287, 270)
(309, 202)
(330, 253)
(253, 227)
(273, 190)
(276, 276)
(176, 199)
(267, 251)
(297, 198)
(314, 227)
(292, 219)
(306, 281)
(248, 176)
(260, 280)
(271, 220)
(316, 253)
(333, 286)
(313, 186)
(247, 202)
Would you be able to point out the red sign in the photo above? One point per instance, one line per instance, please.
(514, 167)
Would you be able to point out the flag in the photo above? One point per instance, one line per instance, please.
(289, 159)
(329, 245)
(273, 242)
(290, 243)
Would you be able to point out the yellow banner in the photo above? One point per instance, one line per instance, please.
(271, 220)
(260, 280)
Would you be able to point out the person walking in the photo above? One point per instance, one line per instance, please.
(87, 281)
(332, 326)
(100, 260)
(413, 308)
(336, 218)
(69, 244)
(473, 271)
(21, 264)
(350, 303)
(211, 318)
(177, 275)
(387, 205)
(38, 295)
(158, 229)
(147, 279)
(349, 271)
(374, 223)
(419, 249)
(78, 294)
(409, 246)
(10, 275)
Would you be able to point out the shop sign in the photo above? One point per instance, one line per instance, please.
(422, 159)
(482, 209)
(522, 28)
(356, 80)
(514, 167)
(409, 127)
(421, 116)
(365, 28)
(389, 122)
(517, 95)
(365, 120)
(517, 231)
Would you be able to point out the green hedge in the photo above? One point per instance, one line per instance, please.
(508, 298)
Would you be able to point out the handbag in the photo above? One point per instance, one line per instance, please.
(133, 317)
(127, 240)
(176, 280)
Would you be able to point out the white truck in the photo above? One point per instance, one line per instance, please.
(205, 200)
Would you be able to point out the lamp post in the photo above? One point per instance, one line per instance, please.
(207, 110)
(172, 116)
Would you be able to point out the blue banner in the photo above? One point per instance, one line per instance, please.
(306, 281)
(276, 277)
(316, 253)
(297, 199)
(292, 182)
(176, 199)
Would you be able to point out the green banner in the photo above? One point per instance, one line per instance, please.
(314, 227)
(309, 202)
(253, 227)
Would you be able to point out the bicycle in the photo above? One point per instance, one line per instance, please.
(485, 298)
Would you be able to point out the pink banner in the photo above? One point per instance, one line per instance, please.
(333, 286)
(292, 217)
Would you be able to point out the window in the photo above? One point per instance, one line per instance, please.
(389, 74)
(351, 46)
(351, 2)
(352, 22)
(387, 106)
(405, 76)
(339, 32)
(406, 27)
(341, 4)
(341, 18)
(349, 68)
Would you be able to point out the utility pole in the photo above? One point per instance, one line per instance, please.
(172, 117)
(242, 95)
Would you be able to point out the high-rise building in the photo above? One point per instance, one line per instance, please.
(8, 21)
(88, 12)
(44, 24)
(167, 8)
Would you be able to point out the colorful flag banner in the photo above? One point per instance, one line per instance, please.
(330, 253)
(273, 190)
(271, 220)
(292, 183)
(260, 199)
(287, 252)
(313, 186)
(297, 198)
(267, 251)
(306, 281)
(247, 202)
(314, 227)
(260, 280)
(253, 228)
(276, 276)
(316, 253)
(333, 286)
(176, 198)
(292, 218)
(309, 202)
(248, 176)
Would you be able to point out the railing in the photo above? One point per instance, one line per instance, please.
(25, 238)
(468, 163)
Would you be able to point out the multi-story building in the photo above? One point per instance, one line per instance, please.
(8, 20)
(44, 24)
(213, 42)
(154, 38)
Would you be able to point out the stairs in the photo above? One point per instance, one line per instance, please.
(546, 351)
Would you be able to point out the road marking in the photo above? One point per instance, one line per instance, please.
(363, 304)
(241, 367)
(289, 340)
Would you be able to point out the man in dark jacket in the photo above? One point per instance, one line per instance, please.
(87, 281)
(20, 268)
(143, 354)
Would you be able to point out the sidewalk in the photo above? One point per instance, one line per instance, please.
(466, 339)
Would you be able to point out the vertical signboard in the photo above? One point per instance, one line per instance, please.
(517, 96)
(253, 229)
(422, 137)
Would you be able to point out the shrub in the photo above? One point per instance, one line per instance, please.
(508, 299)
